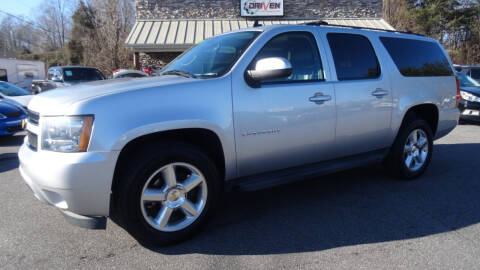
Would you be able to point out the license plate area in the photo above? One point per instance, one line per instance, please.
(471, 112)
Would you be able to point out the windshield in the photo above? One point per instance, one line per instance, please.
(11, 90)
(81, 74)
(467, 81)
(213, 57)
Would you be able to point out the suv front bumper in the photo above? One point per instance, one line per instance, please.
(78, 184)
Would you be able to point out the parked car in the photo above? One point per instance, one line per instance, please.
(62, 76)
(469, 98)
(13, 92)
(273, 105)
(21, 72)
(12, 118)
(128, 73)
(472, 71)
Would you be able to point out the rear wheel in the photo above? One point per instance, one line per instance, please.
(167, 194)
(411, 152)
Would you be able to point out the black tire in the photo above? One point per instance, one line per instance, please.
(126, 198)
(395, 162)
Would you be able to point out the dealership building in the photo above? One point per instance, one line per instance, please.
(165, 28)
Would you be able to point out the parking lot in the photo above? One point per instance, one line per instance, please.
(356, 219)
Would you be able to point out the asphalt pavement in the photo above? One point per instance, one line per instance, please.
(358, 219)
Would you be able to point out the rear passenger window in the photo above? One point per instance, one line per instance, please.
(354, 57)
(417, 58)
(3, 75)
(300, 48)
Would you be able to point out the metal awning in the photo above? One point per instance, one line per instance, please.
(179, 35)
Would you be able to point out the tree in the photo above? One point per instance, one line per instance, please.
(54, 20)
(454, 23)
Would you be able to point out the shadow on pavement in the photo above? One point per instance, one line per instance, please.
(8, 161)
(356, 207)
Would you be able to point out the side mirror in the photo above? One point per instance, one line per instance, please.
(268, 69)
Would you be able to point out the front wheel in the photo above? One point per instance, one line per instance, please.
(168, 195)
(411, 152)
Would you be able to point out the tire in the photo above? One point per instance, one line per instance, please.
(148, 171)
(396, 161)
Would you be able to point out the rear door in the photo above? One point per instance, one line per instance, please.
(363, 94)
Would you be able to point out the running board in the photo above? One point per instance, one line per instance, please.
(270, 179)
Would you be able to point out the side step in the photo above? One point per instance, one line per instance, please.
(269, 179)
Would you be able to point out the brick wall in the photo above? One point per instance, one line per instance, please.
(201, 9)
(156, 60)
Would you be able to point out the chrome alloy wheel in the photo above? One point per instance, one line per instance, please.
(173, 197)
(415, 152)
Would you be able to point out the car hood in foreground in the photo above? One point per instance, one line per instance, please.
(7, 108)
(22, 100)
(56, 101)
(475, 90)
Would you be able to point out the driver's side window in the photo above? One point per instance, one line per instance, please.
(300, 49)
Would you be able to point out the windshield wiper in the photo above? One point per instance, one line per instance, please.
(179, 73)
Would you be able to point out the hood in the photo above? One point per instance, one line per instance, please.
(474, 90)
(8, 108)
(57, 100)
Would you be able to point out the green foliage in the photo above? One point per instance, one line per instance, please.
(454, 23)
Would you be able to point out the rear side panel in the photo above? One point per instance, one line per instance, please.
(425, 83)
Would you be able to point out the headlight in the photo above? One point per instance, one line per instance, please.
(2, 116)
(469, 97)
(66, 133)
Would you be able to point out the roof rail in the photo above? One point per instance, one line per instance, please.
(317, 23)
(256, 24)
(324, 23)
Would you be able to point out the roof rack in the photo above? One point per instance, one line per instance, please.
(324, 23)
(256, 24)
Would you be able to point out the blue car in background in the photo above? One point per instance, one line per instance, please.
(12, 118)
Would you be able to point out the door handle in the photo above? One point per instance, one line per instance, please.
(320, 98)
(379, 93)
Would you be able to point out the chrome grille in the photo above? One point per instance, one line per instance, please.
(33, 117)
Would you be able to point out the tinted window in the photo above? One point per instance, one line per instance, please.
(213, 57)
(300, 48)
(81, 74)
(415, 58)
(11, 90)
(354, 57)
(3, 75)
(475, 73)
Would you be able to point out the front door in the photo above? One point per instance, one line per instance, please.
(286, 122)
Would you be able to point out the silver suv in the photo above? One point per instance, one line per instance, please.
(244, 110)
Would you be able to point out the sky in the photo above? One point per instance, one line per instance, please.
(20, 7)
